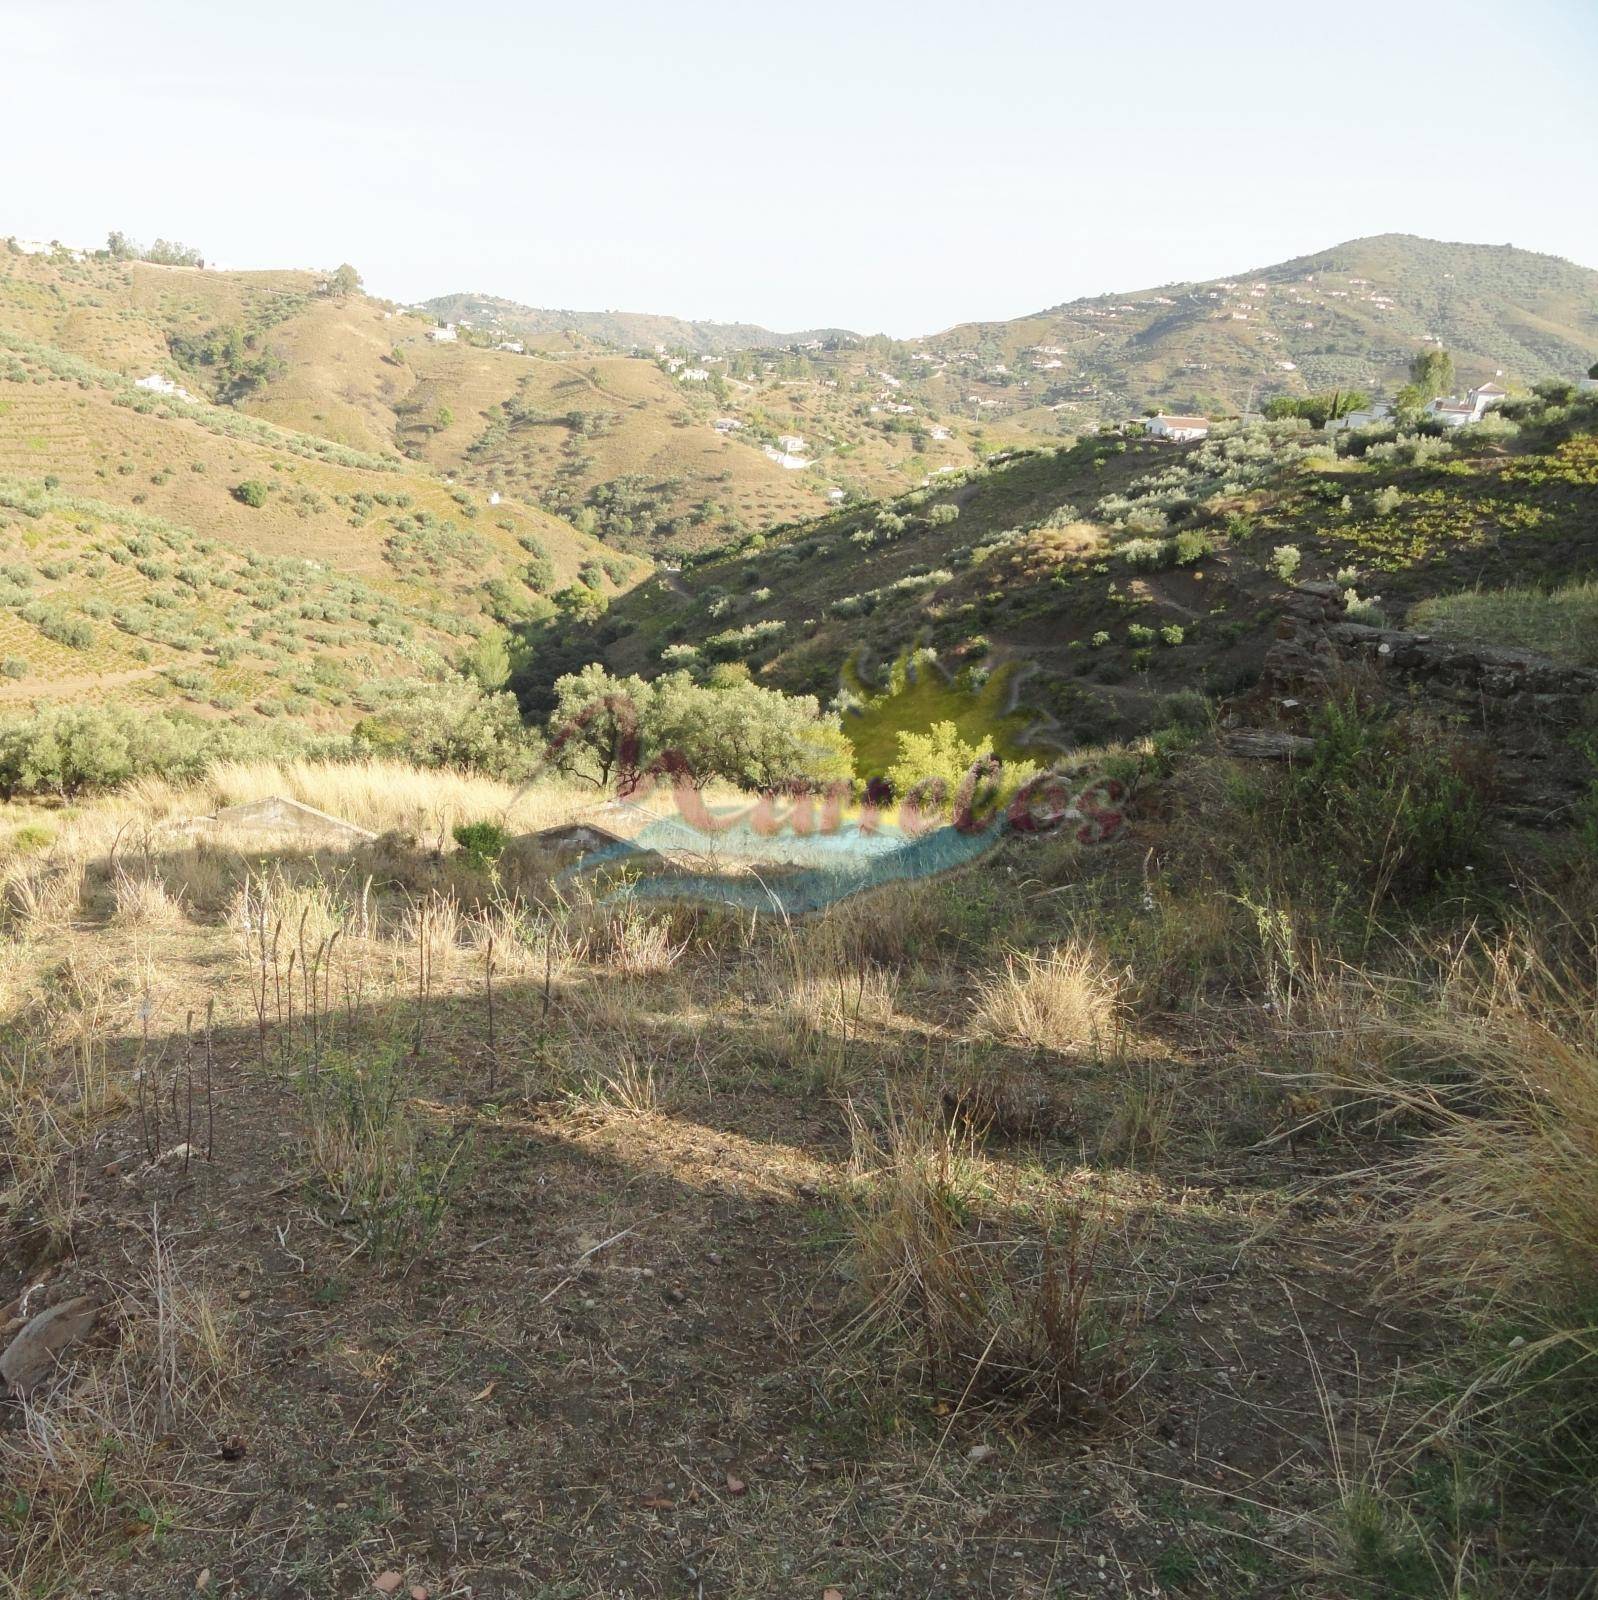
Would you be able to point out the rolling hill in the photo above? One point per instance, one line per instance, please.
(158, 545)
(640, 330)
(1350, 316)
(442, 483)
(1095, 581)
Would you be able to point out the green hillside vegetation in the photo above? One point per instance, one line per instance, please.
(1120, 575)
(1561, 622)
(1350, 317)
(412, 566)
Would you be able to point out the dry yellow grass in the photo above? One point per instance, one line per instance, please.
(381, 795)
(1069, 999)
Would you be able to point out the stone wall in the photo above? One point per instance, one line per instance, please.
(1314, 642)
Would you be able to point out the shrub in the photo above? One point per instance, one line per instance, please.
(1285, 561)
(1393, 803)
(252, 492)
(14, 667)
(1146, 555)
(481, 843)
(1190, 547)
(1018, 1320)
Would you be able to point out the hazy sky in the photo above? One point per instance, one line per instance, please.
(877, 166)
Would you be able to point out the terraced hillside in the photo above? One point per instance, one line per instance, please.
(1106, 577)
(1350, 316)
(89, 461)
(626, 446)
(626, 329)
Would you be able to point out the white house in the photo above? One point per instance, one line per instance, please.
(693, 375)
(791, 442)
(726, 424)
(515, 346)
(157, 384)
(1454, 413)
(1177, 429)
(443, 335)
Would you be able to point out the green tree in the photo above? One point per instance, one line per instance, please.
(452, 724)
(443, 418)
(1432, 373)
(487, 662)
(345, 281)
(252, 492)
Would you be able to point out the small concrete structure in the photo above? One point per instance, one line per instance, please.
(278, 814)
(579, 839)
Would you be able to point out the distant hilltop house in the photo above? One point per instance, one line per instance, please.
(1178, 429)
(443, 335)
(515, 346)
(693, 375)
(157, 384)
(1453, 413)
(793, 442)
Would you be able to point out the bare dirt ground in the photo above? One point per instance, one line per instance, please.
(621, 1367)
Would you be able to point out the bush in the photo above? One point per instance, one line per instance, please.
(1146, 555)
(481, 843)
(252, 492)
(1285, 561)
(604, 728)
(1392, 803)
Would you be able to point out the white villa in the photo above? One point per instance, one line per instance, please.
(515, 346)
(443, 335)
(1454, 413)
(693, 375)
(791, 442)
(1177, 429)
(157, 384)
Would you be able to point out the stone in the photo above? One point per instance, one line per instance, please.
(35, 1353)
